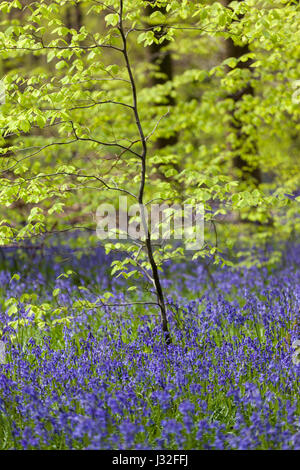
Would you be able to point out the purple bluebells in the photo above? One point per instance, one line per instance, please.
(106, 380)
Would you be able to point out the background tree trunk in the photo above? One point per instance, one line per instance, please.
(73, 18)
(161, 58)
(163, 62)
(249, 173)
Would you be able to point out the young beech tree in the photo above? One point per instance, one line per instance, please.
(86, 125)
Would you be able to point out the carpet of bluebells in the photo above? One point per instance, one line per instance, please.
(104, 379)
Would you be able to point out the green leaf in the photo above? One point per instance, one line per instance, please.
(56, 292)
(112, 19)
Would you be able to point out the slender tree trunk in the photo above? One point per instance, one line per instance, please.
(148, 241)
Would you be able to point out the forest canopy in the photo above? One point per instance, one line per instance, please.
(217, 93)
